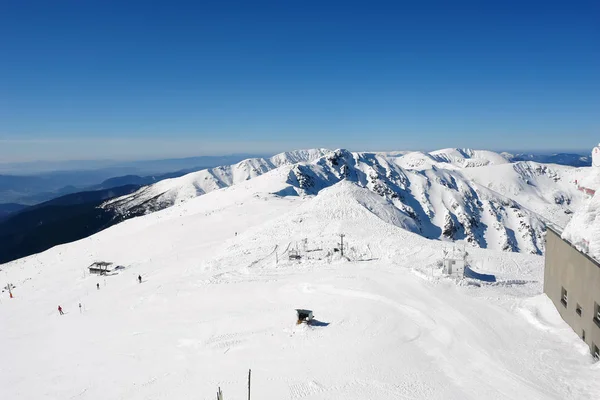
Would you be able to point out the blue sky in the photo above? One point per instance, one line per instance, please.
(114, 79)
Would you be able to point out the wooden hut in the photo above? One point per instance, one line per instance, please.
(101, 268)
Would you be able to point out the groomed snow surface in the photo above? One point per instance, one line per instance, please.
(214, 304)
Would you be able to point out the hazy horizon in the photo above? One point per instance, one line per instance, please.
(43, 166)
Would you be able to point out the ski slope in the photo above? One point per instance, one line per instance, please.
(219, 293)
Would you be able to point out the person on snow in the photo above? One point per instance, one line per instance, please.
(140, 278)
(79, 307)
(60, 310)
(98, 286)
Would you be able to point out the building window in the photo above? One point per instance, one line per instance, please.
(595, 351)
(583, 335)
(578, 310)
(563, 297)
(597, 314)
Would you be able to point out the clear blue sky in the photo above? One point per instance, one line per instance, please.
(127, 79)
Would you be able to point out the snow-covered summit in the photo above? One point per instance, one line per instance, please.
(450, 158)
(173, 191)
(467, 158)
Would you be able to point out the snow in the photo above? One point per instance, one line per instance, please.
(467, 158)
(583, 231)
(214, 303)
(548, 190)
(466, 195)
(177, 190)
(590, 179)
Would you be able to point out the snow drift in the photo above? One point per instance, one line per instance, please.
(584, 228)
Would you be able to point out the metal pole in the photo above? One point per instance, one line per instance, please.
(249, 377)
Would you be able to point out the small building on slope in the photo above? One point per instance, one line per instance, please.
(101, 268)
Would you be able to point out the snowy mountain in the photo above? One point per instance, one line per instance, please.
(451, 194)
(549, 190)
(172, 191)
(220, 288)
(450, 158)
(440, 203)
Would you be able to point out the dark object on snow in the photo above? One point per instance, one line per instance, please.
(60, 310)
(101, 267)
(469, 273)
(294, 255)
(140, 278)
(98, 286)
(304, 316)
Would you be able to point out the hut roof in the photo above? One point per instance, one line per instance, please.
(100, 264)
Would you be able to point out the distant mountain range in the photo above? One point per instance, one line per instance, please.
(573, 160)
(62, 220)
(449, 194)
(486, 198)
(7, 209)
(26, 186)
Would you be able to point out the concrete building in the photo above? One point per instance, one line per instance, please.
(572, 282)
(454, 267)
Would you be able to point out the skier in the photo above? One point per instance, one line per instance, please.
(140, 278)
(98, 286)
(80, 308)
(60, 310)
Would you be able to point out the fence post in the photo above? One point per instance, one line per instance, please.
(249, 380)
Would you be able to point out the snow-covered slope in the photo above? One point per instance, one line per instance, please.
(442, 203)
(451, 194)
(219, 292)
(467, 158)
(172, 191)
(546, 189)
(450, 159)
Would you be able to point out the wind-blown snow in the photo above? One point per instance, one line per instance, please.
(215, 303)
(584, 228)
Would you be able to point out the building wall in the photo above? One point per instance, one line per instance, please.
(567, 268)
